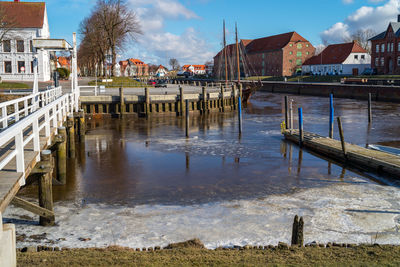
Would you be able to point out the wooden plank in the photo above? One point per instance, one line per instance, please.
(26, 205)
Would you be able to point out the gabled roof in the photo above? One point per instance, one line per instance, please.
(335, 54)
(24, 14)
(274, 42)
(395, 27)
(136, 61)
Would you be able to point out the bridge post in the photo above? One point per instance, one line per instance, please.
(71, 136)
(82, 126)
(8, 255)
(205, 104)
(62, 156)
(121, 102)
(45, 190)
(147, 101)
(181, 100)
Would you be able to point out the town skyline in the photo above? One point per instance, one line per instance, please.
(191, 31)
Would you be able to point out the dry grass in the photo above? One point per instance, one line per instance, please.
(310, 256)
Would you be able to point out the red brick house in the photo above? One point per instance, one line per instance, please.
(385, 56)
(278, 55)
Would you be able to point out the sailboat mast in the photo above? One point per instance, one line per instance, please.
(226, 63)
(237, 54)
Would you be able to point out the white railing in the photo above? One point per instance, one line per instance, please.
(54, 107)
(12, 111)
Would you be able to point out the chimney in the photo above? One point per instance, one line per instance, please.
(398, 18)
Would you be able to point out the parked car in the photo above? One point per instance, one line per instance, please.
(369, 71)
(161, 83)
(151, 82)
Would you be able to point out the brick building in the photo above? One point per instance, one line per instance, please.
(385, 50)
(278, 55)
(133, 67)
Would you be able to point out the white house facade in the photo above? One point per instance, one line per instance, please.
(339, 59)
(29, 21)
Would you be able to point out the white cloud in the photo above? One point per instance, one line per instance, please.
(348, 2)
(366, 17)
(157, 45)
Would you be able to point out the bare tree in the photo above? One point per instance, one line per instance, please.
(362, 36)
(173, 62)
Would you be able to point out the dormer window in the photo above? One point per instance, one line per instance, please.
(355, 56)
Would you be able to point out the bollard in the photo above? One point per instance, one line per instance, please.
(181, 100)
(71, 136)
(301, 134)
(291, 114)
(369, 109)
(331, 116)
(122, 101)
(62, 156)
(286, 112)
(240, 115)
(147, 101)
(45, 190)
(187, 119)
(82, 126)
(339, 121)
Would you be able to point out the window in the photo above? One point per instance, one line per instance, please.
(290, 53)
(299, 54)
(382, 61)
(298, 62)
(355, 56)
(362, 56)
(377, 48)
(299, 46)
(290, 61)
(21, 64)
(383, 48)
(307, 45)
(398, 61)
(20, 46)
(398, 47)
(307, 53)
(376, 62)
(290, 45)
(30, 46)
(388, 47)
(392, 47)
(31, 66)
(6, 46)
(7, 67)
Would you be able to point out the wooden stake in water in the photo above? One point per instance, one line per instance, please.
(240, 115)
(331, 117)
(187, 118)
(301, 134)
(339, 121)
(369, 109)
(291, 114)
(286, 112)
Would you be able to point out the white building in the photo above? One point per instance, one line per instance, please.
(339, 59)
(161, 71)
(28, 21)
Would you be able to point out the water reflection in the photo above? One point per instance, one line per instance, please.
(149, 161)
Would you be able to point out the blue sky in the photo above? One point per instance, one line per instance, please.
(191, 30)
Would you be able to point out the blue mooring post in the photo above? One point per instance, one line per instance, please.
(240, 114)
(301, 134)
(331, 114)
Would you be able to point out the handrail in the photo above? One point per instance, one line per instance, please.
(54, 107)
(13, 110)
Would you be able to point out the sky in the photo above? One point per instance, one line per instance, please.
(191, 30)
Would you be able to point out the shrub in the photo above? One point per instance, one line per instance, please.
(63, 72)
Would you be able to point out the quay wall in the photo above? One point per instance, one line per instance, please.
(378, 92)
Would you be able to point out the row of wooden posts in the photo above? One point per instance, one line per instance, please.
(289, 120)
(52, 168)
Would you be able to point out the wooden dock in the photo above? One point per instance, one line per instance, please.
(359, 157)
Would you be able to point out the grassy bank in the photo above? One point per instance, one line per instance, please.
(13, 85)
(308, 256)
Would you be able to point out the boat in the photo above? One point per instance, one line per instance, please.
(387, 149)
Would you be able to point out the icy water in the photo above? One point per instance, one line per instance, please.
(138, 182)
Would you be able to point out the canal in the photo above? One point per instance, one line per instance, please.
(138, 182)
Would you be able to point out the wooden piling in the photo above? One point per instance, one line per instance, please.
(369, 108)
(122, 101)
(240, 115)
(45, 190)
(339, 121)
(222, 98)
(291, 114)
(71, 136)
(234, 97)
(187, 119)
(182, 101)
(286, 112)
(147, 101)
(204, 104)
(301, 127)
(331, 116)
(82, 125)
(295, 230)
(62, 156)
